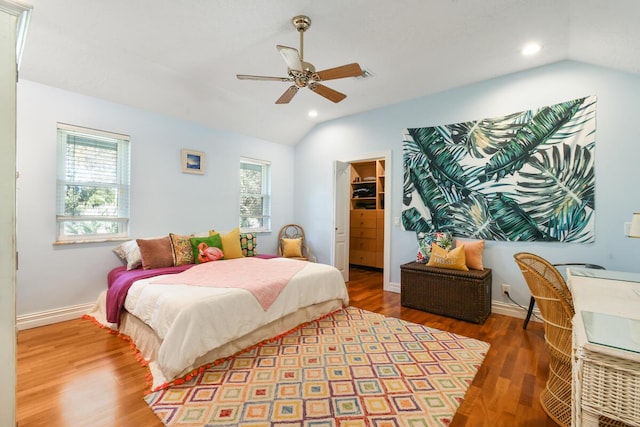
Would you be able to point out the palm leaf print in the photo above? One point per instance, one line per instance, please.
(412, 158)
(576, 230)
(471, 218)
(563, 183)
(442, 158)
(514, 222)
(416, 161)
(412, 219)
(526, 141)
(526, 176)
(487, 136)
(431, 197)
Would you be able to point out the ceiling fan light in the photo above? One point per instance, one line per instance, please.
(308, 67)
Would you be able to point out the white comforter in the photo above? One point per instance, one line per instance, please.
(193, 320)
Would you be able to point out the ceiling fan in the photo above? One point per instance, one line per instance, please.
(304, 74)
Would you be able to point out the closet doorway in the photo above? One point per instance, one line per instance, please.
(361, 223)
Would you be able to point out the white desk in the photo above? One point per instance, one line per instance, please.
(606, 380)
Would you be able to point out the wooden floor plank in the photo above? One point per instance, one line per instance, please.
(75, 374)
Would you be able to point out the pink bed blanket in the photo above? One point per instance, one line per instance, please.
(265, 279)
(120, 280)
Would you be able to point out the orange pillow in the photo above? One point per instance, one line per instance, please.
(453, 260)
(473, 252)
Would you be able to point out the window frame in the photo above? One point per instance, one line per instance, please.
(265, 195)
(122, 185)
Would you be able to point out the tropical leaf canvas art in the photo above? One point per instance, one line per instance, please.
(527, 176)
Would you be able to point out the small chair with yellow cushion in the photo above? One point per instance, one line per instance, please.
(291, 243)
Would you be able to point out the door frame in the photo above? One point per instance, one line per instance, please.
(14, 20)
(386, 155)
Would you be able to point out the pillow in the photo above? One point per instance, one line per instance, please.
(291, 248)
(248, 244)
(204, 248)
(130, 253)
(472, 252)
(442, 238)
(156, 253)
(453, 260)
(181, 248)
(231, 244)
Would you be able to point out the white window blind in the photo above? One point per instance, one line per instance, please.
(255, 195)
(92, 194)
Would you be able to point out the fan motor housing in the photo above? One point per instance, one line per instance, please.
(301, 22)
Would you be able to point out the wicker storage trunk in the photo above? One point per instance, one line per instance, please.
(464, 295)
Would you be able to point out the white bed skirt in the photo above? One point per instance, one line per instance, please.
(148, 343)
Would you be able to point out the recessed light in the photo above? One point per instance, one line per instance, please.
(530, 49)
(312, 113)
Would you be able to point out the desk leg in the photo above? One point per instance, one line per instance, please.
(589, 420)
(576, 389)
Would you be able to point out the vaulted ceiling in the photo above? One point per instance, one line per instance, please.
(180, 58)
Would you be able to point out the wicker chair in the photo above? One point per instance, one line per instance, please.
(566, 264)
(293, 231)
(556, 307)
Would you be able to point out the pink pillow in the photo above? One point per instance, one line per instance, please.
(473, 252)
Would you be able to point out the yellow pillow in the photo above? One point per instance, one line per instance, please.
(291, 248)
(454, 260)
(230, 243)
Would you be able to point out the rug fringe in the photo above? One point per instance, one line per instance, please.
(137, 354)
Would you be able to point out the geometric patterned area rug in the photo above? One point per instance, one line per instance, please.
(350, 368)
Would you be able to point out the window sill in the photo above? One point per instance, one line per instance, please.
(255, 230)
(97, 240)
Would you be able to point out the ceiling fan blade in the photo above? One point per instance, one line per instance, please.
(291, 57)
(330, 94)
(264, 78)
(288, 95)
(348, 70)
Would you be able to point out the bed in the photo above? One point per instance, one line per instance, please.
(183, 317)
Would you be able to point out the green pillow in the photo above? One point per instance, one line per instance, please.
(209, 241)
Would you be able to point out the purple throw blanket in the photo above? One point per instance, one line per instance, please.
(120, 280)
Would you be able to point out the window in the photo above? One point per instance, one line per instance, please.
(255, 195)
(92, 194)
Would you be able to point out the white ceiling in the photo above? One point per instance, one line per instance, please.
(180, 58)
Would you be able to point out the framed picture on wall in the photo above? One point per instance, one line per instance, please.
(192, 161)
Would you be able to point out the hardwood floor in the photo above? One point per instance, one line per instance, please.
(76, 374)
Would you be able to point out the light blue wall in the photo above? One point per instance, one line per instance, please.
(163, 199)
(617, 171)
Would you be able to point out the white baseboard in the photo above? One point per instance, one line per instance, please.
(42, 318)
(393, 287)
(510, 309)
